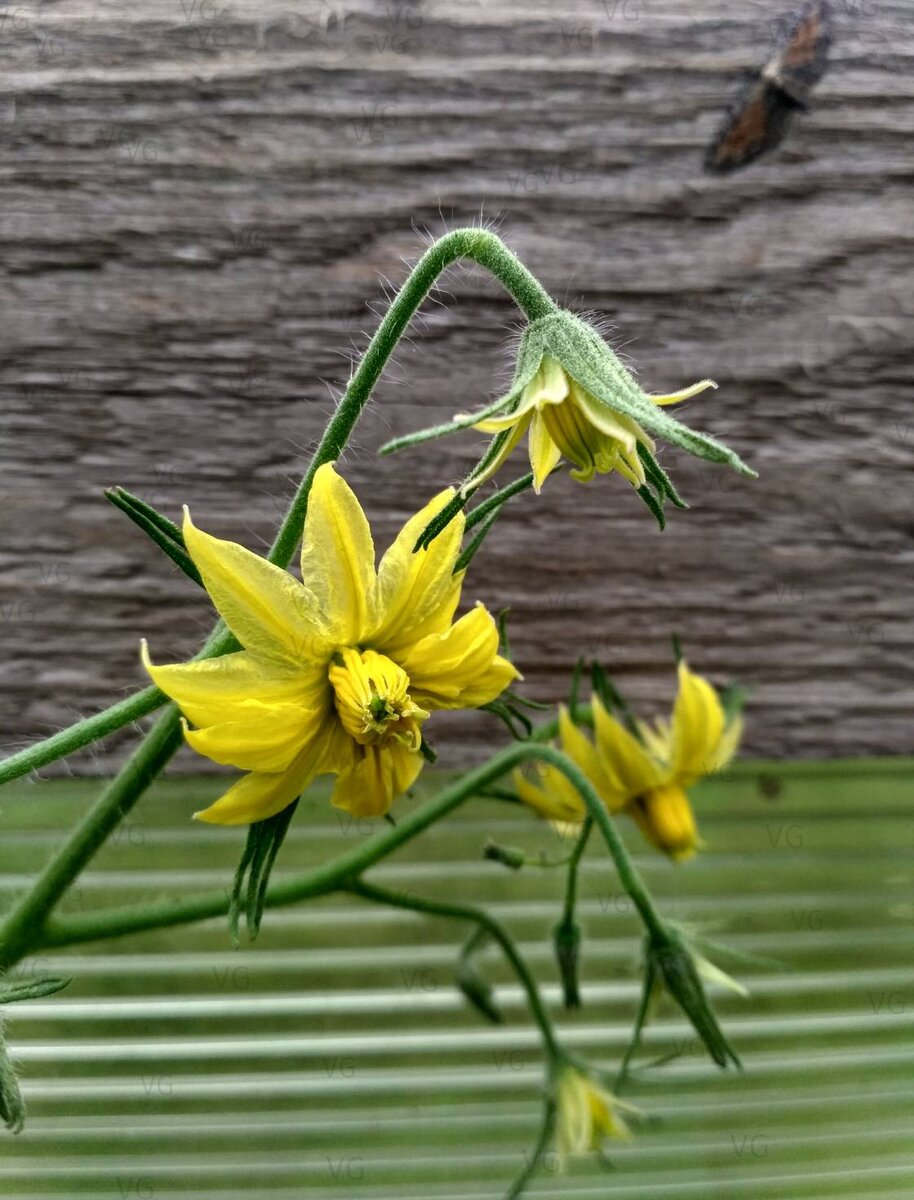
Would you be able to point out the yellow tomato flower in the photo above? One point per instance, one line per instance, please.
(586, 1114)
(647, 776)
(565, 420)
(337, 673)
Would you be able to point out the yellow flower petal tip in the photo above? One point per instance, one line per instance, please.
(646, 770)
(337, 673)
(587, 1114)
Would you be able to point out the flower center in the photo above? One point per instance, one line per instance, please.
(372, 699)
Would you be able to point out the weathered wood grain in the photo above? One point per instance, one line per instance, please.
(198, 203)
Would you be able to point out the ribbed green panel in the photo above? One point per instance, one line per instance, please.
(335, 1059)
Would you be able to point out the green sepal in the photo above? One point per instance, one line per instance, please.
(12, 1106)
(249, 888)
(733, 699)
(166, 535)
(612, 699)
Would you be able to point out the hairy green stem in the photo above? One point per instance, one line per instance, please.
(328, 877)
(480, 246)
(467, 912)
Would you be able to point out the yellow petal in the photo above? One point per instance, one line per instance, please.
(337, 557)
(213, 689)
(580, 749)
(698, 723)
(664, 815)
(684, 394)
(613, 424)
(269, 612)
(461, 667)
(656, 738)
(728, 745)
(418, 593)
(261, 794)
(381, 774)
(263, 737)
(629, 769)
(544, 453)
(495, 465)
(550, 794)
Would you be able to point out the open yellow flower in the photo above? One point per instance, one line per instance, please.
(647, 776)
(339, 672)
(586, 1114)
(565, 420)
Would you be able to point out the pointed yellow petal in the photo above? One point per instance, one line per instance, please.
(269, 612)
(728, 745)
(664, 815)
(262, 737)
(551, 795)
(382, 774)
(685, 394)
(497, 424)
(418, 593)
(213, 690)
(544, 453)
(698, 723)
(337, 557)
(579, 748)
(459, 668)
(496, 464)
(629, 769)
(616, 425)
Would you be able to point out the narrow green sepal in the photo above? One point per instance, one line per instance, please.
(468, 552)
(612, 699)
(496, 501)
(455, 426)
(249, 888)
(733, 699)
(440, 521)
(428, 753)
(508, 714)
(653, 505)
(166, 535)
(12, 1105)
(30, 989)
(677, 648)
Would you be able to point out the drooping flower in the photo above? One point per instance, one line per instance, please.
(565, 421)
(586, 1114)
(338, 673)
(645, 773)
(578, 401)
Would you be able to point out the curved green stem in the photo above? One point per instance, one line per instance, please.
(480, 246)
(468, 912)
(139, 918)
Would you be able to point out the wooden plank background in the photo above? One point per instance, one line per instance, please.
(200, 199)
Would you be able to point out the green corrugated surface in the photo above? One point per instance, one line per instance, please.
(335, 1059)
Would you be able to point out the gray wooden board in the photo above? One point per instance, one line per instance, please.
(200, 200)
